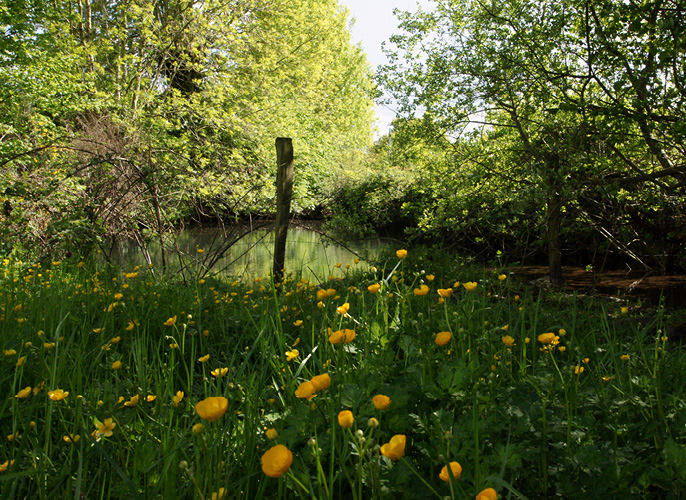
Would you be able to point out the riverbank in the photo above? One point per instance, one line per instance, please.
(631, 286)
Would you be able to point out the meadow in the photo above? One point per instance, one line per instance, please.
(417, 376)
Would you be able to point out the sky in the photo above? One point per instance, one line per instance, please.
(374, 24)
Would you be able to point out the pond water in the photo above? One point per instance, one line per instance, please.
(307, 252)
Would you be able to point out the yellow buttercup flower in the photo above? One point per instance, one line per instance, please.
(219, 494)
(204, 358)
(305, 390)
(445, 292)
(171, 321)
(178, 398)
(116, 365)
(10, 352)
(104, 428)
(298, 323)
(374, 288)
(346, 335)
(470, 286)
(6, 465)
(57, 394)
(346, 419)
(24, 393)
(343, 310)
(442, 338)
(455, 469)
(547, 338)
(502, 277)
(421, 291)
(271, 433)
(220, 372)
(321, 382)
(508, 340)
(321, 294)
(197, 429)
(292, 354)
(430, 277)
(212, 408)
(395, 448)
(624, 357)
(276, 461)
(71, 438)
(132, 402)
(381, 402)
(487, 494)
(401, 254)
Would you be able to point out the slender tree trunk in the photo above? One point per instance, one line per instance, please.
(554, 220)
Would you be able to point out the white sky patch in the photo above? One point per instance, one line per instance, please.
(374, 24)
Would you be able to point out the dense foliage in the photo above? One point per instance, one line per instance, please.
(124, 117)
(526, 127)
(562, 125)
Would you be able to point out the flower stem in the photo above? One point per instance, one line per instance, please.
(421, 478)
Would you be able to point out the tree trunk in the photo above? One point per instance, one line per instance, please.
(554, 221)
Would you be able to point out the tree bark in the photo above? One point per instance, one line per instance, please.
(553, 220)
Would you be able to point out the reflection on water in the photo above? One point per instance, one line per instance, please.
(251, 256)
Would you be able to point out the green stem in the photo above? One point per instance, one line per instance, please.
(299, 483)
(421, 478)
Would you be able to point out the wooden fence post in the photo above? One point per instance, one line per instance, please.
(284, 191)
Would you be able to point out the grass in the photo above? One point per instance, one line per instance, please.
(599, 411)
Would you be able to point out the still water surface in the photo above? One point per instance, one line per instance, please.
(307, 251)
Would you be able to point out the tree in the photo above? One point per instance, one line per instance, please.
(548, 71)
(157, 110)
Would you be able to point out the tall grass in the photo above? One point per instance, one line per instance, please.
(598, 410)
